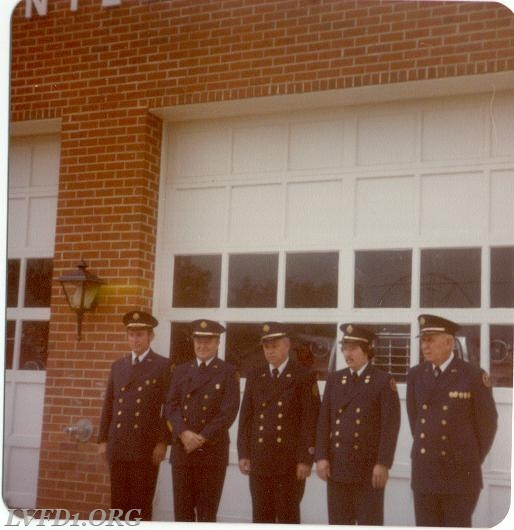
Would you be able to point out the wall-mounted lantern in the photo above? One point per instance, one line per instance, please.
(80, 288)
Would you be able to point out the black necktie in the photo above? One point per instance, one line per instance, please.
(355, 377)
(437, 371)
(203, 367)
(275, 373)
(136, 362)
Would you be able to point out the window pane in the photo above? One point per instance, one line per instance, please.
(34, 344)
(502, 341)
(450, 278)
(9, 343)
(243, 347)
(13, 282)
(38, 283)
(314, 346)
(252, 280)
(502, 277)
(311, 279)
(181, 345)
(392, 349)
(468, 344)
(196, 281)
(383, 278)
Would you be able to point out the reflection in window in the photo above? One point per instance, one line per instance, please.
(13, 282)
(467, 345)
(252, 280)
(450, 278)
(392, 349)
(501, 349)
(181, 344)
(502, 277)
(38, 282)
(10, 329)
(243, 346)
(196, 281)
(311, 279)
(34, 340)
(383, 278)
(314, 346)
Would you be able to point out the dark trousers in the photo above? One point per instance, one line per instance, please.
(355, 503)
(444, 510)
(133, 487)
(276, 499)
(197, 491)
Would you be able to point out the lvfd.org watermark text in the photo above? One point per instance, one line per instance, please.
(61, 517)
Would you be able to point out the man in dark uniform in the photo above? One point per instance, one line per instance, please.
(202, 404)
(277, 427)
(133, 433)
(453, 421)
(357, 433)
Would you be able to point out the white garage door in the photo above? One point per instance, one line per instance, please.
(371, 214)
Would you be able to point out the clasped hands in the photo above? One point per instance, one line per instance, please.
(191, 441)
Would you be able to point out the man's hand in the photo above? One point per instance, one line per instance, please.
(244, 466)
(102, 449)
(302, 471)
(191, 441)
(379, 476)
(159, 453)
(323, 469)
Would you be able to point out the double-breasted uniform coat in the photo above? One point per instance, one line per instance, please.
(132, 424)
(205, 401)
(358, 428)
(453, 420)
(277, 427)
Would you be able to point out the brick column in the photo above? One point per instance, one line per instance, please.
(107, 214)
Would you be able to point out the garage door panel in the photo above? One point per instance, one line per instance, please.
(385, 207)
(260, 149)
(454, 204)
(197, 217)
(502, 201)
(314, 212)
(387, 139)
(200, 152)
(256, 215)
(316, 145)
(453, 133)
(502, 125)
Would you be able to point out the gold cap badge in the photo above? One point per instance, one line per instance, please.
(203, 324)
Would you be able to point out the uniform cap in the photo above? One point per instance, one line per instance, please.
(273, 330)
(139, 320)
(356, 333)
(206, 328)
(432, 324)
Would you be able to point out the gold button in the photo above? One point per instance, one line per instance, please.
(424, 407)
(154, 381)
(357, 410)
(138, 400)
(260, 440)
(261, 416)
(206, 396)
(355, 434)
(422, 435)
(261, 428)
(119, 412)
(147, 382)
(444, 437)
(443, 422)
(280, 415)
(337, 433)
(203, 422)
(337, 444)
(445, 407)
(263, 404)
(136, 426)
(355, 446)
(204, 408)
(137, 413)
(443, 453)
(188, 396)
(279, 403)
(423, 451)
(423, 420)
(139, 388)
(120, 400)
(185, 407)
(118, 426)
(338, 422)
(340, 411)
(358, 422)
(123, 389)
(279, 440)
(279, 427)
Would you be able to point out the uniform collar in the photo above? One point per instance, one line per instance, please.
(281, 368)
(141, 357)
(446, 363)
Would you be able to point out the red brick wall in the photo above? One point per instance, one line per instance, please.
(100, 70)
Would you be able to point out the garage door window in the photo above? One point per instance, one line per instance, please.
(196, 281)
(502, 277)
